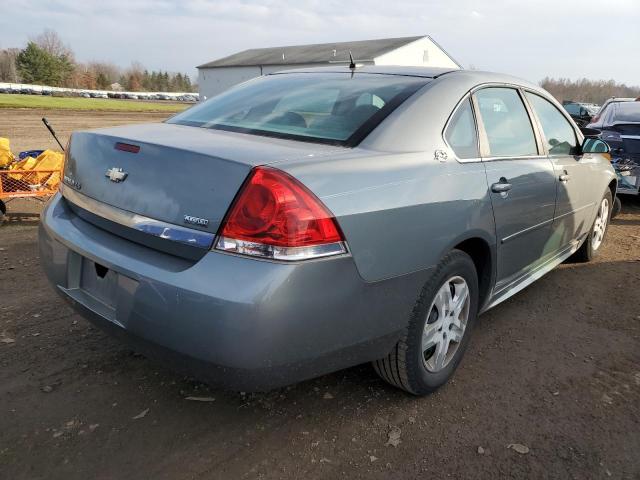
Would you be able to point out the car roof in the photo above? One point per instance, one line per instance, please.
(472, 76)
(426, 72)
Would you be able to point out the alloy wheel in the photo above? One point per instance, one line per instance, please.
(600, 225)
(446, 323)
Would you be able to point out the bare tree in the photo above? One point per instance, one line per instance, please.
(590, 91)
(108, 73)
(50, 42)
(8, 69)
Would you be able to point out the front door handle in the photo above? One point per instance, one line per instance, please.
(564, 178)
(501, 187)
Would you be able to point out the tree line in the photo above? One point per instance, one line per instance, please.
(587, 91)
(46, 60)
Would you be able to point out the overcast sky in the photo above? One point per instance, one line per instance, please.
(529, 38)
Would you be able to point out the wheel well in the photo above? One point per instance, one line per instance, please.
(613, 186)
(480, 253)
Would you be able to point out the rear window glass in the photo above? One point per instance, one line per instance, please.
(461, 132)
(628, 112)
(332, 108)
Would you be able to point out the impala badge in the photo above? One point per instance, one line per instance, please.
(440, 155)
(196, 220)
(116, 175)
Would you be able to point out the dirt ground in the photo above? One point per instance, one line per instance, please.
(556, 369)
(25, 130)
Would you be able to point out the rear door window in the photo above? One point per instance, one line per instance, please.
(627, 112)
(461, 134)
(560, 138)
(506, 123)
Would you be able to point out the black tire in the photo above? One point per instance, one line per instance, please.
(617, 207)
(3, 208)
(405, 366)
(588, 250)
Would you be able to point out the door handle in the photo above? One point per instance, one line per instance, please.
(501, 187)
(564, 178)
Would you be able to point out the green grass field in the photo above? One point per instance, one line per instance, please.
(95, 104)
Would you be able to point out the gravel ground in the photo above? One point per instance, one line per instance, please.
(555, 369)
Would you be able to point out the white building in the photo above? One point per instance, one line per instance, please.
(217, 76)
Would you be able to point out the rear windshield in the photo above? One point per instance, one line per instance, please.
(335, 108)
(628, 112)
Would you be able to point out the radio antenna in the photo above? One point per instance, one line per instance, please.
(352, 63)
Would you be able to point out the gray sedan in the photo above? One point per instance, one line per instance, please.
(312, 220)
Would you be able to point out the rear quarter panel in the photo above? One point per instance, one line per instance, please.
(402, 213)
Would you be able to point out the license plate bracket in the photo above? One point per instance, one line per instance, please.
(99, 281)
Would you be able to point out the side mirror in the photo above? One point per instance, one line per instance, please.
(594, 145)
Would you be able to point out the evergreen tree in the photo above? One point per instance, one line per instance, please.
(35, 65)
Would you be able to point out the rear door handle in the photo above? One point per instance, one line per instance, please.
(501, 187)
(564, 178)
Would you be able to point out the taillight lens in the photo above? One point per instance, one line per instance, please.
(275, 216)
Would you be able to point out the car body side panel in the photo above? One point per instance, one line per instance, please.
(401, 212)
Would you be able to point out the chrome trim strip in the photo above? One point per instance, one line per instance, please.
(521, 157)
(526, 230)
(574, 211)
(630, 137)
(167, 231)
(541, 224)
(274, 252)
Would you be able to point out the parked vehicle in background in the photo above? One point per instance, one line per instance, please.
(606, 104)
(308, 221)
(619, 124)
(580, 112)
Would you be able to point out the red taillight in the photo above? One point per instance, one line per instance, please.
(275, 216)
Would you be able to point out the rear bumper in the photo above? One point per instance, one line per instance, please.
(242, 323)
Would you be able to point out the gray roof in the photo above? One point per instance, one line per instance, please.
(320, 53)
(425, 72)
(471, 77)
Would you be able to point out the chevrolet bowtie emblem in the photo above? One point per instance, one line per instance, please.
(116, 175)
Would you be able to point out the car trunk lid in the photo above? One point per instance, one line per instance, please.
(177, 174)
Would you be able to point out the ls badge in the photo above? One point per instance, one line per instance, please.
(116, 175)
